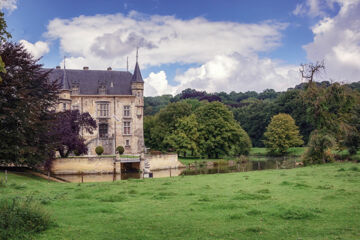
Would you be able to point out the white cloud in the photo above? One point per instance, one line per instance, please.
(9, 5)
(157, 84)
(234, 72)
(337, 41)
(106, 40)
(37, 49)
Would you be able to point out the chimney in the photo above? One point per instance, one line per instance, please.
(85, 68)
(58, 67)
(109, 68)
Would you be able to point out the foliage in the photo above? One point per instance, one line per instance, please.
(120, 150)
(332, 111)
(254, 118)
(4, 35)
(281, 134)
(185, 136)
(20, 219)
(99, 150)
(66, 128)
(219, 132)
(163, 124)
(26, 100)
(320, 148)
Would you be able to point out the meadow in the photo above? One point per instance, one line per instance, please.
(317, 202)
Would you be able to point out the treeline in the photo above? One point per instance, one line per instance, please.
(252, 110)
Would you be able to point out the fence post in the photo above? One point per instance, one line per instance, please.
(5, 175)
(48, 176)
(170, 172)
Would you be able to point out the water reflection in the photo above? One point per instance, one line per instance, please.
(193, 169)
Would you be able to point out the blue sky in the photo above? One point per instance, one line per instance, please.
(208, 45)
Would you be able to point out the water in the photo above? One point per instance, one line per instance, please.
(256, 164)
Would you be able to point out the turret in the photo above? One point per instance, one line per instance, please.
(65, 92)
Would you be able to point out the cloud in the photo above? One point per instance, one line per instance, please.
(157, 84)
(106, 40)
(313, 8)
(337, 41)
(9, 5)
(233, 72)
(37, 49)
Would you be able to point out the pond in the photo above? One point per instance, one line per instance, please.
(201, 167)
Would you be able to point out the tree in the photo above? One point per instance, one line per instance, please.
(26, 100)
(4, 35)
(219, 132)
(165, 123)
(332, 112)
(254, 118)
(308, 71)
(185, 136)
(281, 134)
(66, 131)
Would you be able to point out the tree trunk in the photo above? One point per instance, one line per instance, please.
(185, 154)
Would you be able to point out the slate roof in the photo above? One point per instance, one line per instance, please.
(89, 81)
(137, 74)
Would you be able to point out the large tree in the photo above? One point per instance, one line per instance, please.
(185, 136)
(66, 131)
(333, 113)
(219, 132)
(4, 35)
(26, 100)
(281, 134)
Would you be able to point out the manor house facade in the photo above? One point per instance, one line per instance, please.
(113, 98)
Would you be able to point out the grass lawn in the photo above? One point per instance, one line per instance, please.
(319, 202)
(294, 151)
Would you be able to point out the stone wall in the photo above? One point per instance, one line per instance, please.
(95, 164)
(86, 165)
(163, 161)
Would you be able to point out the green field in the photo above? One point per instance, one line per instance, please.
(319, 202)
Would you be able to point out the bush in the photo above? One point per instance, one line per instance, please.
(120, 150)
(320, 148)
(20, 219)
(99, 150)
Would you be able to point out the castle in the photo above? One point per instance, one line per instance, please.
(113, 98)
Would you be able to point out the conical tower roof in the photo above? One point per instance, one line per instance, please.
(137, 74)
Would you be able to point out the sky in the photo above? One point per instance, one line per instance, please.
(211, 45)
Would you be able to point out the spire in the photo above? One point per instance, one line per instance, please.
(65, 83)
(137, 74)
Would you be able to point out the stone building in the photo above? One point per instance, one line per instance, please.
(113, 98)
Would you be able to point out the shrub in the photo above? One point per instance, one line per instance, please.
(20, 219)
(320, 148)
(99, 150)
(120, 150)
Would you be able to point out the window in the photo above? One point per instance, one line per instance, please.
(126, 111)
(103, 130)
(103, 110)
(102, 90)
(75, 107)
(64, 106)
(75, 89)
(127, 128)
(127, 143)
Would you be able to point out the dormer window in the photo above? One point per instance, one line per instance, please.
(75, 89)
(102, 89)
